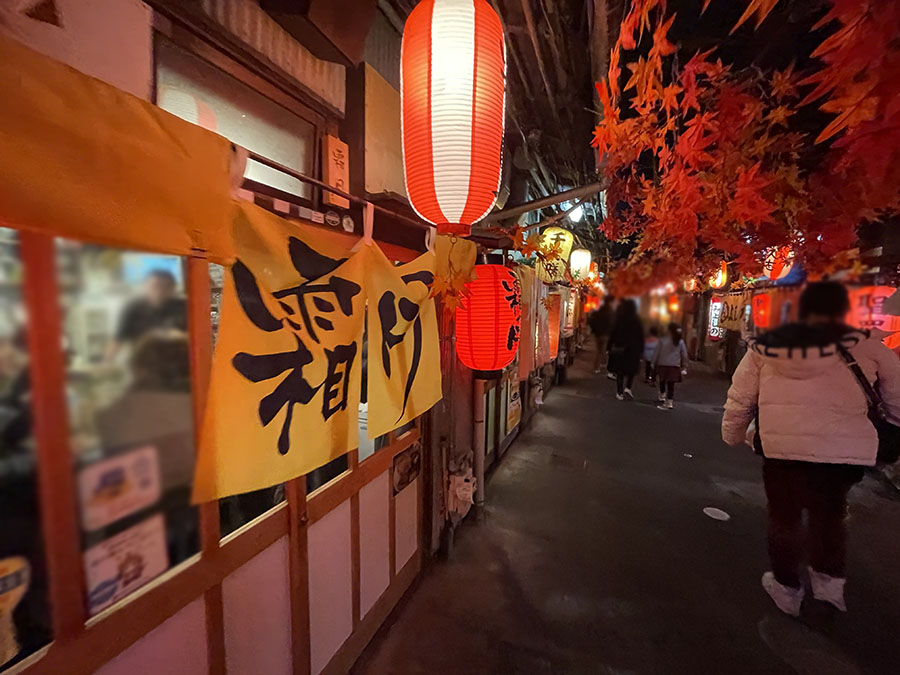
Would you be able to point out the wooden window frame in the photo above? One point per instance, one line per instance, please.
(81, 644)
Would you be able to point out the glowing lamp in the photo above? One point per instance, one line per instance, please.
(674, 305)
(719, 279)
(452, 89)
(691, 285)
(488, 321)
(553, 320)
(778, 262)
(867, 312)
(762, 310)
(580, 264)
(561, 240)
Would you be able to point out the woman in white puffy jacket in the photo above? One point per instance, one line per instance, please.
(812, 428)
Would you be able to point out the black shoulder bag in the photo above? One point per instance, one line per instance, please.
(888, 433)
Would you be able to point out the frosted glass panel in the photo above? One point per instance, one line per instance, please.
(202, 94)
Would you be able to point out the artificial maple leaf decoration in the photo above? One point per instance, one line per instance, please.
(761, 8)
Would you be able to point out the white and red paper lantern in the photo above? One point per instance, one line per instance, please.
(778, 262)
(453, 90)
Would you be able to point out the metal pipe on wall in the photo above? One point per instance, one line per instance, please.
(478, 438)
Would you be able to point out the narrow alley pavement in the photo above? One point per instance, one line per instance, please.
(594, 555)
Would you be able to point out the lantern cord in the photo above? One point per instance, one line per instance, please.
(293, 173)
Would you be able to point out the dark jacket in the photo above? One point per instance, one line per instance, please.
(600, 320)
(626, 346)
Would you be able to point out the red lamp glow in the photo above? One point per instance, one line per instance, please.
(553, 320)
(762, 310)
(452, 88)
(488, 321)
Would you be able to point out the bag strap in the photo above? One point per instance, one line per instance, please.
(872, 395)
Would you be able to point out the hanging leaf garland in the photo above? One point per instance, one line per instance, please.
(703, 161)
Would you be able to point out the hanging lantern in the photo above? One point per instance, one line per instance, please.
(719, 279)
(778, 262)
(867, 312)
(488, 321)
(691, 285)
(452, 89)
(762, 310)
(674, 305)
(580, 264)
(554, 311)
(554, 270)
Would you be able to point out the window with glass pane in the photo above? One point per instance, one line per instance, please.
(200, 93)
(326, 474)
(24, 609)
(128, 387)
(367, 446)
(237, 510)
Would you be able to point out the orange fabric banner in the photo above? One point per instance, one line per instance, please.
(85, 160)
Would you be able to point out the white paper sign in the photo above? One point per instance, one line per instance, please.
(123, 563)
(118, 486)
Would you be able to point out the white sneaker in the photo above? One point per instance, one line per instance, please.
(787, 599)
(670, 404)
(619, 397)
(596, 371)
(828, 589)
(610, 376)
(628, 394)
(662, 406)
(661, 398)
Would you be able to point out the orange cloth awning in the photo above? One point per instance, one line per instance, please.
(82, 159)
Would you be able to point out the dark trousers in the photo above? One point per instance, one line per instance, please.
(600, 356)
(667, 389)
(822, 490)
(624, 382)
(649, 371)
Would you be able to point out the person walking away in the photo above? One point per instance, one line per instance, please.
(670, 362)
(600, 322)
(649, 351)
(626, 345)
(813, 431)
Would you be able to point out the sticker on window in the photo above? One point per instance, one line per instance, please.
(118, 486)
(125, 562)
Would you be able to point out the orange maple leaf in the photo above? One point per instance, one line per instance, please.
(670, 97)
(783, 84)
(661, 44)
(779, 115)
(853, 107)
(759, 7)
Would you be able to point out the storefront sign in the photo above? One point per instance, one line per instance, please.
(732, 316)
(716, 332)
(336, 170)
(867, 312)
(125, 562)
(513, 399)
(118, 486)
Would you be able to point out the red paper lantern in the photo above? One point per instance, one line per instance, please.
(452, 88)
(762, 310)
(488, 321)
(553, 321)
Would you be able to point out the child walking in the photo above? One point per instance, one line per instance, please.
(670, 361)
